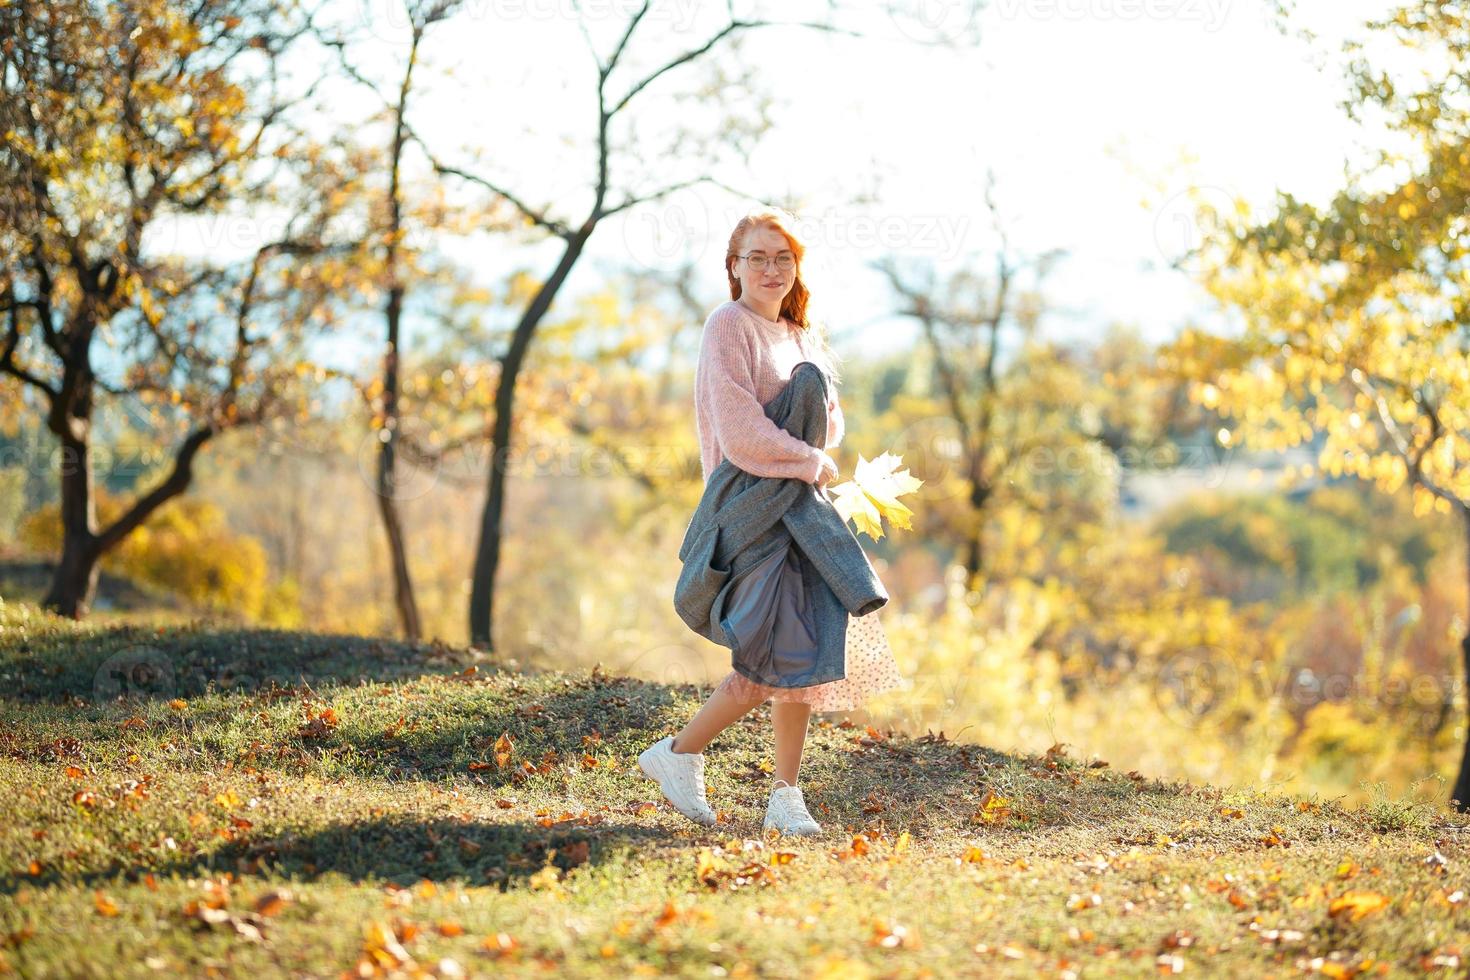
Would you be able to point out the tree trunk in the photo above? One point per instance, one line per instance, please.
(403, 597)
(975, 549)
(75, 580)
(487, 551)
(82, 544)
(1460, 795)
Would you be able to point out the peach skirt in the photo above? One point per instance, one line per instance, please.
(871, 669)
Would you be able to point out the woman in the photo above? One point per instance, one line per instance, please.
(747, 352)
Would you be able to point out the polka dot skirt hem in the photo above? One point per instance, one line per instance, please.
(871, 669)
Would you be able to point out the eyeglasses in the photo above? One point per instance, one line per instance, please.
(758, 260)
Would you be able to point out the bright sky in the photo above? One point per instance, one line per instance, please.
(1097, 116)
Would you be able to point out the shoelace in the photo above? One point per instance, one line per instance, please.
(796, 806)
(695, 783)
(793, 807)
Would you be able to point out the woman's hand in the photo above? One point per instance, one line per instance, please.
(828, 471)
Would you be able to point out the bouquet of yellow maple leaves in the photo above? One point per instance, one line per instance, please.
(872, 494)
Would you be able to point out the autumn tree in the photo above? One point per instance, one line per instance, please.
(621, 83)
(976, 328)
(117, 120)
(1356, 312)
(398, 269)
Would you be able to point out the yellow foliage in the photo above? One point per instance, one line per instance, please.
(186, 548)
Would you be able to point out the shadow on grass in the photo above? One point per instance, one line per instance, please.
(558, 724)
(399, 849)
(551, 720)
(65, 661)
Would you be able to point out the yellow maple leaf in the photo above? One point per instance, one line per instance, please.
(872, 494)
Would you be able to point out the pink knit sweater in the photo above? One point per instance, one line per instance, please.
(744, 362)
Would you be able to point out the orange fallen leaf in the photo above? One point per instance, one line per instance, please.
(892, 935)
(1356, 904)
(272, 902)
(667, 916)
(500, 944)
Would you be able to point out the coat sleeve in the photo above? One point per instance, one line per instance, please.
(746, 435)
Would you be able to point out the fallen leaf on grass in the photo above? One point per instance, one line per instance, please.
(1077, 903)
(666, 917)
(993, 808)
(713, 869)
(319, 724)
(548, 878)
(383, 951)
(1178, 939)
(273, 902)
(1274, 838)
(504, 747)
(1357, 904)
(892, 935)
(500, 944)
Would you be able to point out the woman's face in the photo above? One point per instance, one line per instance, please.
(770, 283)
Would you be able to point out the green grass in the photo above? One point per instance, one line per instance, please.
(272, 803)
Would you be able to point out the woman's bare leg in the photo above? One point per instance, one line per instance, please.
(789, 719)
(719, 712)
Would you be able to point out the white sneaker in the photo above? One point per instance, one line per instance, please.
(681, 776)
(787, 812)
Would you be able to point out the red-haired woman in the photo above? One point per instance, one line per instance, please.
(748, 350)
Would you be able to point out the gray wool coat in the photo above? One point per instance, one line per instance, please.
(770, 569)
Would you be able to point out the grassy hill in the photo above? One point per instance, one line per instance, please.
(274, 803)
